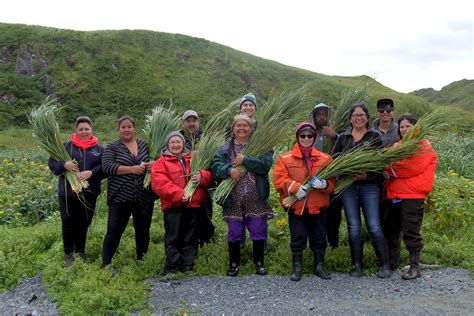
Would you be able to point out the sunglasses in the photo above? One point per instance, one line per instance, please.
(384, 110)
(306, 136)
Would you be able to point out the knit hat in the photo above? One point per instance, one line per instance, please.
(306, 126)
(383, 102)
(189, 113)
(172, 134)
(248, 97)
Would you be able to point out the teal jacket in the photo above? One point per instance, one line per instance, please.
(259, 165)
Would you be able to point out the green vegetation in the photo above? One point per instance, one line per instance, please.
(459, 94)
(106, 74)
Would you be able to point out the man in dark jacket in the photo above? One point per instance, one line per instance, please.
(192, 134)
(190, 129)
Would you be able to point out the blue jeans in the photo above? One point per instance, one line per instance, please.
(365, 196)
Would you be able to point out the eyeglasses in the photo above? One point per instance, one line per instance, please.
(310, 136)
(384, 110)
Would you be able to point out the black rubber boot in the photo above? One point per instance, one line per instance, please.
(394, 258)
(68, 259)
(234, 258)
(414, 271)
(357, 250)
(258, 254)
(319, 267)
(297, 267)
(381, 250)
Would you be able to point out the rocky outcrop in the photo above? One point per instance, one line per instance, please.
(24, 62)
(6, 55)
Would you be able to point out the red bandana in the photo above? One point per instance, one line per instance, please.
(83, 144)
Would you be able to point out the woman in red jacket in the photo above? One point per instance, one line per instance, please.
(411, 180)
(169, 176)
(307, 216)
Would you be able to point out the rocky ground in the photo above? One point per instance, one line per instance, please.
(446, 291)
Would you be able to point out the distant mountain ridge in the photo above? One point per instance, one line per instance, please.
(458, 93)
(106, 74)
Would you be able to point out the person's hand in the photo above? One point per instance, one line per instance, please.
(359, 176)
(196, 178)
(84, 175)
(386, 176)
(148, 165)
(329, 132)
(301, 193)
(71, 165)
(239, 160)
(137, 169)
(185, 198)
(318, 183)
(235, 174)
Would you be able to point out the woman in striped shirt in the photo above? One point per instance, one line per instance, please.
(125, 161)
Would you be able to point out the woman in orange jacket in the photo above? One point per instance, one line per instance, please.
(307, 216)
(169, 176)
(411, 180)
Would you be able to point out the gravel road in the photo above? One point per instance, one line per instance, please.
(446, 291)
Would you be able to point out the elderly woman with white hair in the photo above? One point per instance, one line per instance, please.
(247, 204)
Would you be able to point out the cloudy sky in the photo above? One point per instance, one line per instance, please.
(405, 44)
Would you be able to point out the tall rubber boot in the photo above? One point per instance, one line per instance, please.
(414, 271)
(234, 258)
(357, 251)
(258, 254)
(319, 267)
(297, 267)
(381, 250)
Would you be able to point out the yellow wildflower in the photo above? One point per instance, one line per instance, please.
(281, 223)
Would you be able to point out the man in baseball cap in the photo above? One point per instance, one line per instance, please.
(190, 128)
(385, 123)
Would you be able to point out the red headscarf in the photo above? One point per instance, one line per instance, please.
(306, 151)
(83, 144)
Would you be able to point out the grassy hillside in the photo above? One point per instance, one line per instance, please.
(106, 74)
(458, 93)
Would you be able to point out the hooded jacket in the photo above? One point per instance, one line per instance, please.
(168, 180)
(412, 177)
(290, 173)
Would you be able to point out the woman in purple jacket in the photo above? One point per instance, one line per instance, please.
(77, 211)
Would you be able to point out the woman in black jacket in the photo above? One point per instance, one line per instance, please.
(77, 211)
(363, 194)
(125, 162)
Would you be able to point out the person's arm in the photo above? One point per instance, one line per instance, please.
(413, 165)
(162, 184)
(259, 164)
(110, 167)
(221, 166)
(282, 181)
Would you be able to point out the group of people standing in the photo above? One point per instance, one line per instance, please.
(391, 201)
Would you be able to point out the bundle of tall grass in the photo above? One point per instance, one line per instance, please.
(277, 118)
(339, 118)
(160, 123)
(367, 159)
(46, 132)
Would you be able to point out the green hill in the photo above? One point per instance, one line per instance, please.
(459, 94)
(105, 74)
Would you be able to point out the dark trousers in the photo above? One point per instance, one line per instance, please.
(181, 239)
(390, 219)
(119, 214)
(405, 217)
(304, 227)
(76, 217)
(333, 221)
